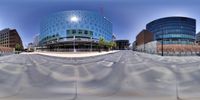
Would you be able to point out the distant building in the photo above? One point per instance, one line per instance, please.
(10, 38)
(113, 37)
(36, 40)
(30, 47)
(198, 38)
(134, 46)
(122, 44)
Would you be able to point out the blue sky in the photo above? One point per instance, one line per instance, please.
(129, 17)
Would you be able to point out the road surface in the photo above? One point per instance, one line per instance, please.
(125, 75)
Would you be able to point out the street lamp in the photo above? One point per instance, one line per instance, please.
(57, 40)
(74, 19)
(91, 44)
(74, 43)
(144, 41)
(162, 42)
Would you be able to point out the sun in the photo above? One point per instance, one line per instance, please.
(74, 19)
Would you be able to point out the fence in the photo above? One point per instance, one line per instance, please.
(155, 47)
(178, 49)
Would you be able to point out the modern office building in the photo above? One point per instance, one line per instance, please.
(198, 38)
(10, 38)
(74, 30)
(173, 30)
(122, 44)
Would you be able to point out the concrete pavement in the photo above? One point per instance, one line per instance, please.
(73, 54)
(125, 75)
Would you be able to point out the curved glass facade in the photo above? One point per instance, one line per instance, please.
(173, 30)
(81, 25)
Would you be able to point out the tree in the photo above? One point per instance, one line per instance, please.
(17, 47)
(113, 45)
(101, 43)
(108, 45)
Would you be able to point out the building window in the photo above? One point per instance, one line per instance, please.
(73, 31)
(79, 31)
(86, 32)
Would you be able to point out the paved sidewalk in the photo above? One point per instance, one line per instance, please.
(73, 54)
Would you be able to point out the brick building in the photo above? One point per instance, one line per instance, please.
(10, 38)
(144, 37)
(5, 50)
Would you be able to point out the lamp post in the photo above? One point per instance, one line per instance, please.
(74, 43)
(144, 41)
(57, 41)
(91, 44)
(162, 42)
(74, 19)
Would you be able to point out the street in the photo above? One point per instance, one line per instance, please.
(125, 75)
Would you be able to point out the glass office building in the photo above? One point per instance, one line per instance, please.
(173, 30)
(62, 29)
